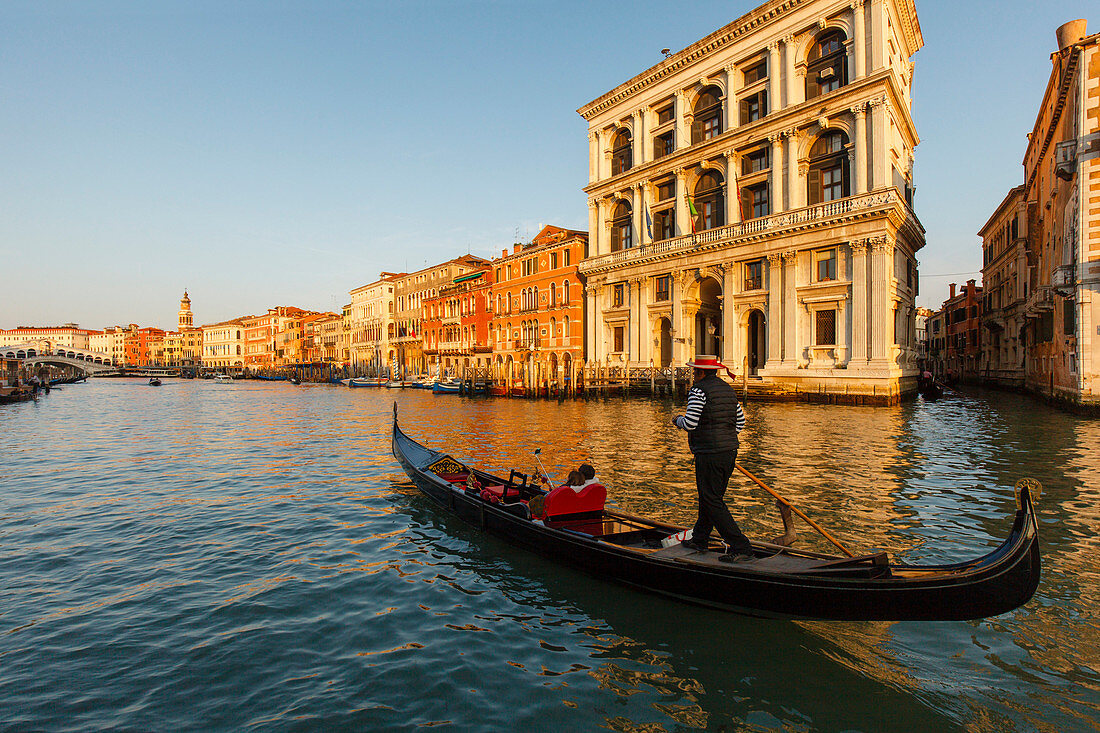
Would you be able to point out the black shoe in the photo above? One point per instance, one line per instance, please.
(737, 557)
(691, 545)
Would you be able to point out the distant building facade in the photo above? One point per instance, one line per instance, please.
(370, 324)
(1005, 291)
(223, 345)
(456, 323)
(538, 307)
(962, 319)
(1061, 181)
(405, 352)
(751, 196)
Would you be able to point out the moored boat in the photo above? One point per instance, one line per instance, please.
(366, 382)
(778, 581)
(447, 386)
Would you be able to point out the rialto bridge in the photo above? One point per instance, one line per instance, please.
(37, 352)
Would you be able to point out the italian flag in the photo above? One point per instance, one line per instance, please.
(694, 213)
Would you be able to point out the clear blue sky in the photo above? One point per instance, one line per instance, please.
(281, 153)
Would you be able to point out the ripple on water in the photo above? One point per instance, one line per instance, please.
(209, 557)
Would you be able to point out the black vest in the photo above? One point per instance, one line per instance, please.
(717, 430)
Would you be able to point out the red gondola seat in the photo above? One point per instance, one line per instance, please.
(564, 501)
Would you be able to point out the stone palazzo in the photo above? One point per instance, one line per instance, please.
(751, 196)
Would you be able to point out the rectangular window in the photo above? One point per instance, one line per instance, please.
(553, 260)
(712, 126)
(825, 328)
(754, 107)
(756, 72)
(664, 224)
(620, 332)
(754, 161)
(754, 275)
(617, 295)
(832, 182)
(754, 201)
(664, 288)
(665, 114)
(1069, 317)
(662, 145)
(666, 189)
(825, 265)
(565, 259)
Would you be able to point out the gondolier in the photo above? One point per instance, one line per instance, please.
(712, 420)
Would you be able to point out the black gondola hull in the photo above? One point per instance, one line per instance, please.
(992, 585)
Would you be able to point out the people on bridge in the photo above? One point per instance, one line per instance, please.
(712, 420)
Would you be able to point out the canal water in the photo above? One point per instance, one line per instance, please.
(250, 556)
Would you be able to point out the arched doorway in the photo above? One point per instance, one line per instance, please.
(756, 342)
(666, 343)
(708, 320)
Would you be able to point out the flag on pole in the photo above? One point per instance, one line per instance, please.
(648, 224)
(694, 213)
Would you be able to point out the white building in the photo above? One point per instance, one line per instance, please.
(223, 345)
(751, 196)
(370, 324)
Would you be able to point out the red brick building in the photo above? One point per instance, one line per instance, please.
(962, 314)
(455, 324)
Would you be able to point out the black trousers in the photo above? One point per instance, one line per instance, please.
(712, 475)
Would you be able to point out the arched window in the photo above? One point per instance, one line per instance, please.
(622, 231)
(622, 157)
(707, 114)
(553, 294)
(827, 179)
(826, 64)
(710, 201)
(565, 329)
(565, 293)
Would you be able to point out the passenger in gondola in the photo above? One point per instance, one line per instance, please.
(575, 481)
(712, 420)
(588, 473)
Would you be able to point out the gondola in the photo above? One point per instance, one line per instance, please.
(154, 382)
(778, 582)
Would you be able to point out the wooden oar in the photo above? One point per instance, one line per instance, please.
(795, 509)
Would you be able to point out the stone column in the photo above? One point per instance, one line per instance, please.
(641, 324)
(880, 166)
(861, 157)
(683, 131)
(732, 348)
(594, 322)
(859, 40)
(638, 218)
(593, 227)
(733, 208)
(731, 112)
(882, 310)
(793, 95)
(774, 77)
(860, 325)
(775, 196)
(775, 317)
(878, 58)
(638, 147)
(795, 190)
(593, 156)
(678, 279)
(683, 214)
(790, 316)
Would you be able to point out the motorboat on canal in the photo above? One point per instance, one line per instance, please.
(447, 386)
(155, 382)
(223, 379)
(579, 530)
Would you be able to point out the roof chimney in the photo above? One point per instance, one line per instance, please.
(952, 291)
(1070, 33)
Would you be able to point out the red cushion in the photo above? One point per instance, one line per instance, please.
(564, 500)
(499, 490)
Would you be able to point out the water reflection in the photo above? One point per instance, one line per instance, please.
(216, 557)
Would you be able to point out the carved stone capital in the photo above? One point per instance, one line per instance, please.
(859, 247)
(773, 47)
(789, 257)
(859, 109)
(774, 258)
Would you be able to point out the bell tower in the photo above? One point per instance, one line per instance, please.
(186, 319)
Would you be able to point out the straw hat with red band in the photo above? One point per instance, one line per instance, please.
(709, 361)
(706, 361)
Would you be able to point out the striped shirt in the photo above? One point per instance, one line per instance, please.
(697, 400)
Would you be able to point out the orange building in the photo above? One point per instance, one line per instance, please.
(143, 347)
(538, 309)
(261, 336)
(456, 323)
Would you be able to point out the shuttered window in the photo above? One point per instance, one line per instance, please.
(825, 327)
